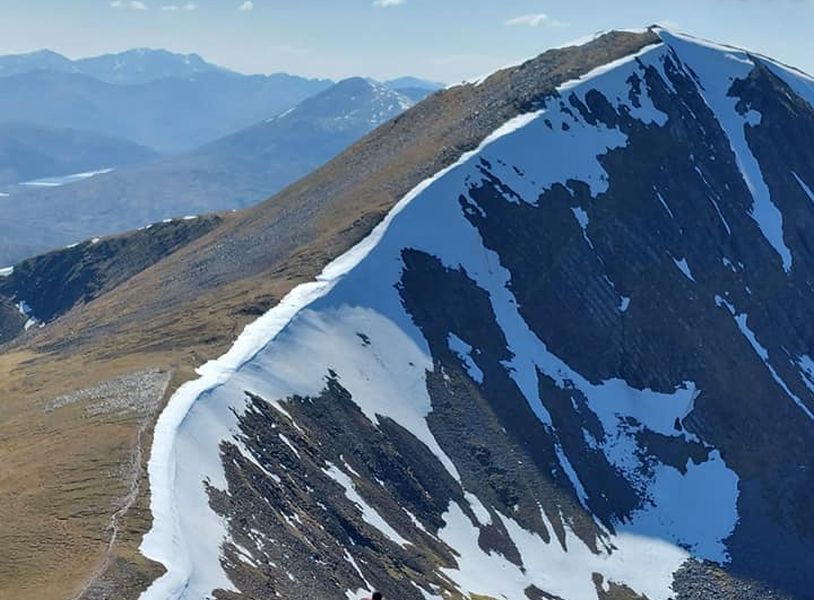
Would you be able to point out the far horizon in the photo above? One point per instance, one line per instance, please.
(429, 82)
(386, 38)
(199, 56)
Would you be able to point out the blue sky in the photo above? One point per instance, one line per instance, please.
(446, 40)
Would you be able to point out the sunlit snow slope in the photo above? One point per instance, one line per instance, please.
(575, 365)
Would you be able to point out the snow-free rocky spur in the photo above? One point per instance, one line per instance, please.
(543, 336)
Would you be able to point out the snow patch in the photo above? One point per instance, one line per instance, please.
(481, 514)
(665, 205)
(806, 365)
(464, 352)
(25, 309)
(624, 304)
(805, 187)
(684, 268)
(64, 179)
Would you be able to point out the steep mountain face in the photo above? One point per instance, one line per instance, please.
(138, 65)
(29, 152)
(233, 172)
(171, 114)
(575, 363)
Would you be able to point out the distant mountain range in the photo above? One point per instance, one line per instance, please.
(228, 139)
(165, 101)
(233, 172)
(140, 65)
(168, 115)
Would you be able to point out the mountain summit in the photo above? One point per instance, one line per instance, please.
(544, 336)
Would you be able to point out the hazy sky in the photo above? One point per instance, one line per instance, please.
(447, 40)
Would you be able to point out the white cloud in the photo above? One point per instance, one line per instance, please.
(247, 6)
(128, 5)
(535, 20)
(386, 3)
(176, 7)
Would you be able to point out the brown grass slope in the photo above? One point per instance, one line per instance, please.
(54, 526)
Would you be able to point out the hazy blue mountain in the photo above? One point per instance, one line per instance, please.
(142, 65)
(235, 171)
(41, 60)
(414, 88)
(414, 82)
(139, 65)
(169, 115)
(30, 152)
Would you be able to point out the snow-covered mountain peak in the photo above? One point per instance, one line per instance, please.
(574, 364)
